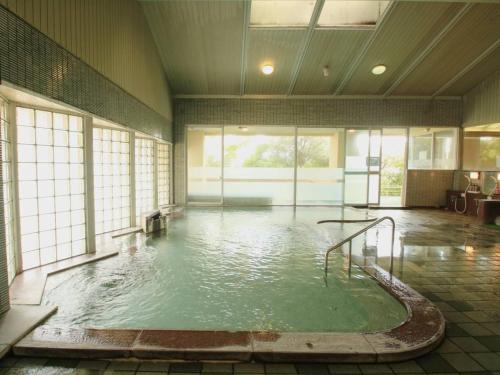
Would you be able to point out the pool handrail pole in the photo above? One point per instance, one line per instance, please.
(392, 246)
(350, 257)
(351, 237)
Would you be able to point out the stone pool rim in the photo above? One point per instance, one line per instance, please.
(420, 333)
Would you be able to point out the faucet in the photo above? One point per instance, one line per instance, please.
(464, 195)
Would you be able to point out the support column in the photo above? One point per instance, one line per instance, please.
(89, 183)
(4, 278)
(131, 146)
(155, 175)
(333, 160)
(195, 146)
(15, 188)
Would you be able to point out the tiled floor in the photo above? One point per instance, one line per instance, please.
(447, 257)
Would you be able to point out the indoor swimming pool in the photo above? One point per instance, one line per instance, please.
(228, 269)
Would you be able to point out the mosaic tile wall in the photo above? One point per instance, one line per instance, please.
(304, 112)
(319, 113)
(4, 279)
(32, 60)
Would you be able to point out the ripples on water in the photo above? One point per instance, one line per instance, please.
(233, 269)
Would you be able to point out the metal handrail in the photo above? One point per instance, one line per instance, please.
(351, 237)
(348, 221)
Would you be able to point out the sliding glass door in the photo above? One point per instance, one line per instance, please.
(259, 165)
(204, 161)
(362, 167)
(394, 143)
(320, 166)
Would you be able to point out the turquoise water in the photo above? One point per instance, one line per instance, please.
(227, 269)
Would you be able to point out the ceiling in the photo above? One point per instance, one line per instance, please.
(430, 48)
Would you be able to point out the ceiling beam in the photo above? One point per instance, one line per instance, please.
(430, 47)
(277, 27)
(488, 51)
(316, 97)
(305, 45)
(244, 44)
(364, 50)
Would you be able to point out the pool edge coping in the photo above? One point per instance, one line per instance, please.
(422, 331)
(28, 287)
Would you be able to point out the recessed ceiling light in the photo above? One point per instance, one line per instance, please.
(267, 69)
(379, 69)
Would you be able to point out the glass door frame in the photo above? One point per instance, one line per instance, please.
(342, 137)
(368, 172)
(297, 127)
(186, 157)
(377, 173)
(222, 167)
(406, 135)
(290, 188)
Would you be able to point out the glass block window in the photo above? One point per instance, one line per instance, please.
(144, 176)
(163, 162)
(111, 179)
(51, 186)
(8, 202)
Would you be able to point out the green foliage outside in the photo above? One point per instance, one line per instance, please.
(392, 178)
(277, 154)
(312, 152)
(490, 149)
(212, 162)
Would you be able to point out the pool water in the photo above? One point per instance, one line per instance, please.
(227, 269)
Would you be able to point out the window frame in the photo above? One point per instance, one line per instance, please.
(88, 124)
(457, 137)
(13, 259)
(89, 241)
(131, 181)
(222, 128)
